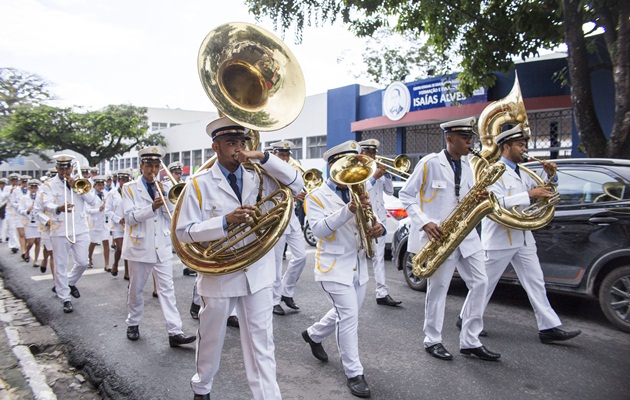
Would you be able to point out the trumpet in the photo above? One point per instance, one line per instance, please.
(79, 186)
(398, 166)
(176, 190)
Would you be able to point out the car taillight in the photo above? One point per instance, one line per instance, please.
(397, 213)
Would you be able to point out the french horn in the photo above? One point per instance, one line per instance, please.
(253, 79)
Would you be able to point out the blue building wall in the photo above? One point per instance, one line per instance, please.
(342, 108)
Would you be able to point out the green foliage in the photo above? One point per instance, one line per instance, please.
(98, 135)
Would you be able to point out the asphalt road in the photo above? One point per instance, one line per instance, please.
(593, 366)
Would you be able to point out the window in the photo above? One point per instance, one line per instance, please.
(127, 162)
(196, 159)
(316, 146)
(207, 154)
(577, 186)
(167, 159)
(156, 126)
(174, 157)
(186, 158)
(296, 152)
(134, 162)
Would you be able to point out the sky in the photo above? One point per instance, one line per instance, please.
(96, 52)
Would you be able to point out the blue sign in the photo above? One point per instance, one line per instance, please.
(15, 161)
(441, 92)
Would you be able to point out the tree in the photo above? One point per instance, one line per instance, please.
(488, 34)
(97, 135)
(18, 89)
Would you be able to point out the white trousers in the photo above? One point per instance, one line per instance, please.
(378, 265)
(3, 228)
(12, 232)
(138, 276)
(256, 330)
(61, 248)
(472, 271)
(286, 285)
(527, 268)
(343, 319)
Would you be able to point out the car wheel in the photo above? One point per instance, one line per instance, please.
(414, 282)
(308, 235)
(614, 297)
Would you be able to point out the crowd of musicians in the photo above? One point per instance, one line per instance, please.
(50, 216)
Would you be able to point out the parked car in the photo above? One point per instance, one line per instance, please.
(585, 249)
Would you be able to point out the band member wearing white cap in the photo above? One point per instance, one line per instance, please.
(44, 218)
(434, 189)
(226, 194)
(340, 268)
(148, 248)
(54, 193)
(381, 183)
(116, 218)
(26, 208)
(16, 197)
(12, 214)
(507, 245)
(284, 286)
(4, 200)
(98, 221)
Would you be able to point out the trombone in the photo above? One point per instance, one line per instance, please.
(159, 189)
(79, 186)
(176, 190)
(398, 166)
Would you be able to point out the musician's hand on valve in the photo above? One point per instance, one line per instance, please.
(540, 192)
(65, 208)
(482, 196)
(157, 203)
(433, 231)
(241, 215)
(375, 231)
(300, 196)
(352, 206)
(550, 168)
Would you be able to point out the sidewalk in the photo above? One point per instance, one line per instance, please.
(33, 363)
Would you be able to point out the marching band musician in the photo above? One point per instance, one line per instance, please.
(98, 222)
(284, 286)
(4, 200)
(16, 197)
(116, 218)
(341, 269)
(225, 194)
(434, 189)
(45, 222)
(54, 191)
(148, 248)
(506, 245)
(11, 214)
(26, 208)
(381, 183)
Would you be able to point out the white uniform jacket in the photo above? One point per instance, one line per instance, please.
(114, 209)
(4, 195)
(203, 221)
(429, 196)
(380, 186)
(28, 217)
(43, 217)
(15, 196)
(96, 217)
(147, 233)
(511, 191)
(339, 251)
(53, 196)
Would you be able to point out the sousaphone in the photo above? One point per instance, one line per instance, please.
(253, 79)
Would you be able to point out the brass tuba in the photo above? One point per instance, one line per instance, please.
(511, 110)
(352, 171)
(254, 79)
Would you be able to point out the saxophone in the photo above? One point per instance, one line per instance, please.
(460, 221)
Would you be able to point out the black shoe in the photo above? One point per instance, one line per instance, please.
(14, 250)
(35, 265)
(316, 348)
(74, 292)
(155, 295)
(458, 324)
(556, 335)
(54, 289)
(482, 353)
(42, 269)
(202, 397)
(90, 265)
(189, 272)
(177, 340)
(126, 278)
(67, 306)
(194, 310)
(439, 351)
(289, 302)
(233, 321)
(278, 310)
(359, 387)
(133, 332)
(387, 301)
(114, 272)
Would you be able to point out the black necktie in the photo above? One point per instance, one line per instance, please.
(518, 172)
(100, 196)
(150, 189)
(237, 191)
(345, 196)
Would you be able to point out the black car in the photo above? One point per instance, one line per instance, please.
(585, 249)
